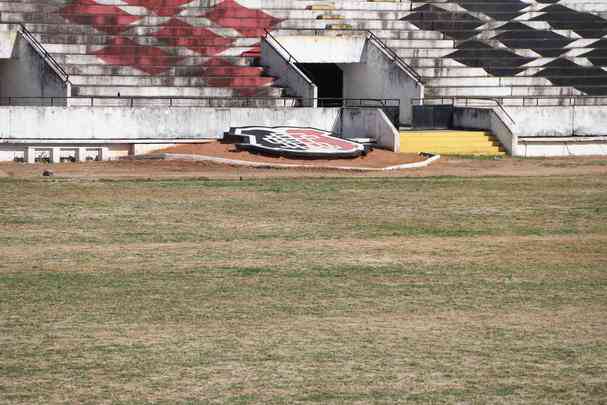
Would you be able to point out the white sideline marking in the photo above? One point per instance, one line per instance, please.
(233, 162)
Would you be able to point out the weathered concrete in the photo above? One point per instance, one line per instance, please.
(542, 130)
(30, 153)
(370, 122)
(325, 48)
(489, 119)
(108, 123)
(287, 73)
(27, 74)
(377, 76)
(568, 146)
(7, 44)
(560, 121)
(368, 72)
(119, 130)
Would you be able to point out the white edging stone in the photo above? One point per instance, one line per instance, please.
(245, 163)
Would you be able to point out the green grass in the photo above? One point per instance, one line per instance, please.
(436, 290)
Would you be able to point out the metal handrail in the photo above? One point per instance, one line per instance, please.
(528, 100)
(397, 59)
(453, 102)
(291, 57)
(171, 101)
(65, 77)
(395, 56)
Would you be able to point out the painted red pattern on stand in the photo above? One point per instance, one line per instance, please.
(109, 19)
(177, 33)
(163, 8)
(148, 59)
(248, 22)
(226, 22)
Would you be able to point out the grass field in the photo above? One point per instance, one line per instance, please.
(360, 290)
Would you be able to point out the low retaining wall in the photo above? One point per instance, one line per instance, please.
(559, 121)
(112, 123)
(539, 131)
(69, 127)
(370, 122)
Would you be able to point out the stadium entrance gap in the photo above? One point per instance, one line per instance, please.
(328, 77)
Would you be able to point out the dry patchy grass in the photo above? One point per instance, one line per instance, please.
(355, 290)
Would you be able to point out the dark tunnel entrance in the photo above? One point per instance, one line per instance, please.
(330, 81)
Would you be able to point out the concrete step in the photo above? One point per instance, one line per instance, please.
(493, 70)
(172, 81)
(163, 91)
(245, 102)
(99, 39)
(172, 71)
(403, 6)
(450, 143)
(383, 29)
(138, 50)
(101, 10)
(383, 34)
(487, 81)
(62, 26)
(510, 91)
(152, 60)
(459, 72)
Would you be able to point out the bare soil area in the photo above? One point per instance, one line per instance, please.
(446, 166)
(377, 158)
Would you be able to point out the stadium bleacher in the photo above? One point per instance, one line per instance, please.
(466, 48)
(549, 52)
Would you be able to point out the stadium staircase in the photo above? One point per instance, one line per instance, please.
(154, 48)
(444, 142)
(509, 49)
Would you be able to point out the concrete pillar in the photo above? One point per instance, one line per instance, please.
(30, 154)
(104, 153)
(56, 155)
(81, 154)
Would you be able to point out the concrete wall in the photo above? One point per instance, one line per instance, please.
(7, 44)
(560, 121)
(541, 130)
(369, 123)
(10, 152)
(118, 130)
(288, 75)
(368, 71)
(324, 48)
(572, 146)
(377, 76)
(26, 74)
(111, 123)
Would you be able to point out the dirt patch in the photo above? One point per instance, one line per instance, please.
(377, 158)
(446, 166)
